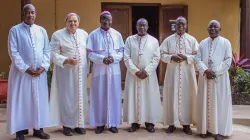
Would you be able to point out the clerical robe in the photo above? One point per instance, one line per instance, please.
(105, 90)
(214, 103)
(27, 102)
(142, 101)
(69, 100)
(180, 86)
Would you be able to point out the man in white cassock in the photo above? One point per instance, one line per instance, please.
(29, 51)
(142, 102)
(105, 49)
(179, 93)
(214, 103)
(69, 100)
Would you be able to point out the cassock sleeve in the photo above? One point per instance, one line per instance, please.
(14, 53)
(57, 58)
(191, 58)
(119, 55)
(127, 59)
(198, 58)
(165, 56)
(155, 60)
(46, 51)
(225, 65)
(93, 56)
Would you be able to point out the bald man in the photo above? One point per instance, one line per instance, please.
(142, 102)
(29, 50)
(179, 93)
(214, 104)
(69, 100)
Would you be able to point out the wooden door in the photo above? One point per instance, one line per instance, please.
(122, 22)
(167, 16)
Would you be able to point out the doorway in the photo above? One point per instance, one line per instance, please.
(151, 14)
(160, 18)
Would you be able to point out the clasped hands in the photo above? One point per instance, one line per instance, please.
(210, 74)
(35, 72)
(71, 61)
(142, 74)
(108, 60)
(178, 57)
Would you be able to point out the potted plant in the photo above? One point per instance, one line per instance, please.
(3, 86)
(240, 80)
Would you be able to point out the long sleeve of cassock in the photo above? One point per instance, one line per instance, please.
(225, 65)
(57, 58)
(46, 52)
(191, 58)
(155, 61)
(127, 59)
(94, 57)
(118, 57)
(165, 56)
(14, 53)
(199, 64)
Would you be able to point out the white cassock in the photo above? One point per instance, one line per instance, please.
(214, 103)
(142, 97)
(180, 85)
(69, 100)
(27, 105)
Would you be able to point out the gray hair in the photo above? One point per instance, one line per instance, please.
(214, 21)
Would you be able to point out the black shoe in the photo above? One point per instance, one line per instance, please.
(150, 127)
(99, 129)
(171, 129)
(219, 137)
(40, 134)
(25, 132)
(67, 131)
(134, 127)
(80, 131)
(206, 135)
(113, 130)
(19, 135)
(187, 129)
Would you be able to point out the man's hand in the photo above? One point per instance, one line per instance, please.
(111, 59)
(210, 74)
(71, 61)
(106, 61)
(142, 74)
(182, 56)
(32, 72)
(40, 70)
(176, 58)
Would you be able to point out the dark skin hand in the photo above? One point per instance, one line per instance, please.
(182, 56)
(210, 74)
(108, 60)
(142, 74)
(176, 58)
(35, 73)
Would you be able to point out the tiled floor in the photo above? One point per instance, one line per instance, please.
(142, 134)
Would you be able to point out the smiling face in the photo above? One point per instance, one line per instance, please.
(214, 29)
(142, 26)
(29, 14)
(181, 25)
(106, 21)
(72, 23)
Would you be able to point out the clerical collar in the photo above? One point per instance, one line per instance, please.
(71, 32)
(105, 30)
(26, 25)
(214, 38)
(180, 35)
(140, 35)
